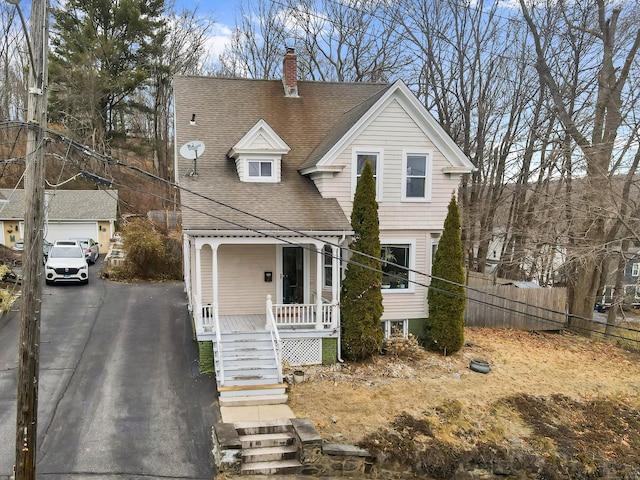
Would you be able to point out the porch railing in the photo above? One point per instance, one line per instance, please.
(207, 320)
(275, 337)
(319, 315)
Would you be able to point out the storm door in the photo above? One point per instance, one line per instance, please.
(292, 275)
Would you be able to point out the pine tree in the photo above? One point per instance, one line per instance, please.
(445, 328)
(101, 60)
(361, 307)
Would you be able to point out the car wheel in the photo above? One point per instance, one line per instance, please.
(480, 366)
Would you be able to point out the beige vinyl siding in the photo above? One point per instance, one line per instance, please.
(240, 167)
(206, 260)
(393, 132)
(241, 285)
(104, 236)
(313, 258)
(409, 305)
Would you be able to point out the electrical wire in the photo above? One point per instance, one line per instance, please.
(280, 237)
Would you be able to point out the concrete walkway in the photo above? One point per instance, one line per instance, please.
(255, 413)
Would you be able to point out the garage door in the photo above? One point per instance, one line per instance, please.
(63, 231)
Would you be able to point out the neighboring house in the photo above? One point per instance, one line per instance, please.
(267, 171)
(68, 213)
(631, 282)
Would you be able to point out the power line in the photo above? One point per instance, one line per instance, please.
(111, 160)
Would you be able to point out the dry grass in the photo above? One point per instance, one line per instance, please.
(351, 401)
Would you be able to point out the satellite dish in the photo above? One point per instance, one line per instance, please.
(192, 150)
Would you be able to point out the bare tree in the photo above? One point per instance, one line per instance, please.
(590, 39)
(471, 72)
(257, 42)
(334, 41)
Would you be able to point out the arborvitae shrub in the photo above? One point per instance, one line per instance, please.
(445, 326)
(361, 308)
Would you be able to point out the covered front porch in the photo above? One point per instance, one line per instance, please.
(252, 283)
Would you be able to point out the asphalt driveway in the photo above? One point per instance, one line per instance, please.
(120, 395)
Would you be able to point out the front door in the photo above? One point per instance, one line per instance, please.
(292, 275)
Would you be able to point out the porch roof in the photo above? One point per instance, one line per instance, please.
(275, 234)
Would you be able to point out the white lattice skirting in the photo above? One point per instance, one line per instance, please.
(303, 351)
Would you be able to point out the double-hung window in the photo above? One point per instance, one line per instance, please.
(635, 270)
(327, 270)
(416, 185)
(397, 261)
(360, 159)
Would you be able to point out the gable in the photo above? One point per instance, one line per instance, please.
(458, 163)
(258, 154)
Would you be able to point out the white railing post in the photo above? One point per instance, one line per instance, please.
(269, 309)
(319, 323)
(275, 337)
(216, 322)
(197, 316)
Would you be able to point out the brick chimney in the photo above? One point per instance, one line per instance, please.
(290, 73)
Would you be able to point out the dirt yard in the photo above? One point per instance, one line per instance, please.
(533, 375)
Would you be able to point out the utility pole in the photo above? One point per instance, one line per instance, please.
(32, 269)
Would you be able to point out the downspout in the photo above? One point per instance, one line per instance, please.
(340, 242)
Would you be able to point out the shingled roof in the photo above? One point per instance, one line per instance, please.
(69, 205)
(225, 109)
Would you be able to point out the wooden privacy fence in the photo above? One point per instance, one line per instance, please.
(506, 306)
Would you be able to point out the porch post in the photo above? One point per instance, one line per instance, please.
(214, 271)
(186, 261)
(336, 279)
(198, 278)
(319, 271)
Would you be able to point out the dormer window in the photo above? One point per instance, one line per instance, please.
(262, 169)
(258, 154)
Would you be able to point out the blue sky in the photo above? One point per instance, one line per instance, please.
(223, 12)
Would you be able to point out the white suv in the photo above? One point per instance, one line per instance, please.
(66, 263)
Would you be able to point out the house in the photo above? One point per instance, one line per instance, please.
(267, 171)
(630, 282)
(68, 213)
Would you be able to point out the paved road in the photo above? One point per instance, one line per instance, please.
(120, 395)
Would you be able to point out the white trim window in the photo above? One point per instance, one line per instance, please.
(260, 171)
(635, 270)
(327, 266)
(398, 261)
(360, 158)
(396, 327)
(416, 176)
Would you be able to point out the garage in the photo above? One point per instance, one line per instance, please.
(65, 230)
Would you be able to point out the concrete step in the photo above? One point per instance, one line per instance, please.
(268, 440)
(272, 468)
(269, 454)
(259, 428)
(249, 400)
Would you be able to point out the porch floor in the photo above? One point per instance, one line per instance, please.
(255, 323)
(242, 323)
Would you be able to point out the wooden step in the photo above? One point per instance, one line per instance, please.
(272, 468)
